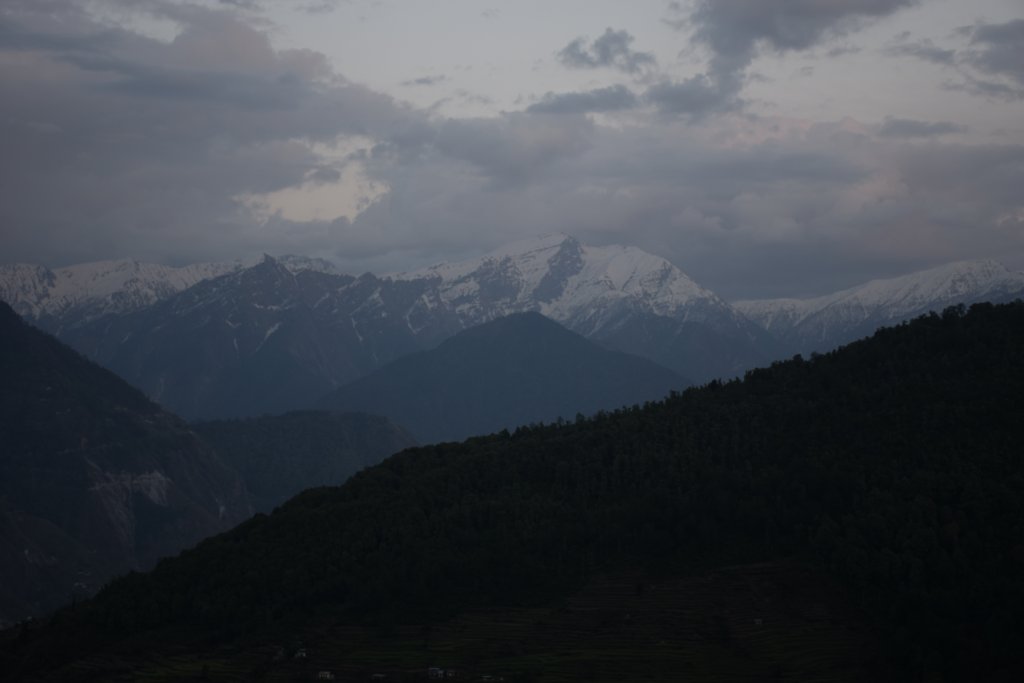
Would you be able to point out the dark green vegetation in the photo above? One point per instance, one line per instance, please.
(769, 621)
(517, 370)
(95, 479)
(282, 455)
(892, 465)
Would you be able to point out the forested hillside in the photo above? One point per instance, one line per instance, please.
(893, 464)
(279, 456)
(95, 479)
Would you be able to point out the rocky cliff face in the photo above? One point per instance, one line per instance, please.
(95, 480)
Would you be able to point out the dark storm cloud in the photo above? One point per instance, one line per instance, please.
(909, 128)
(612, 98)
(612, 49)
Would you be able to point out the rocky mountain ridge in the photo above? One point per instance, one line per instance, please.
(273, 337)
(822, 323)
(95, 479)
(63, 297)
(235, 340)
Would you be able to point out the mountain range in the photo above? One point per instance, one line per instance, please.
(823, 323)
(235, 340)
(621, 297)
(271, 337)
(70, 296)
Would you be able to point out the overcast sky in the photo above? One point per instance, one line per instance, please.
(768, 148)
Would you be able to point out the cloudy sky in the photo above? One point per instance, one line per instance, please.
(768, 148)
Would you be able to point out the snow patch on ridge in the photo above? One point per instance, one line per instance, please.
(902, 295)
(557, 276)
(883, 301)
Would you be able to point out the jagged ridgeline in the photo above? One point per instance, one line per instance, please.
(893, 464)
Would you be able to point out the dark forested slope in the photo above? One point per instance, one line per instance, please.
(279, 456)
(893, 463)
(95, 479)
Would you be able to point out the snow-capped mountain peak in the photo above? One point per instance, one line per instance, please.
(559, 277)
(89, 290)
(79, 293)
(825, 321)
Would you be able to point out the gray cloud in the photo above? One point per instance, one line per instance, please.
(124, 145)
(612, 49)
(734, 27)
(612, 98)
(842, 50)
(734, 30)
(909, 128)
(992, 51)
(119, 145)
(515, 148)
(678, 16)
(998, 50)
(696, 97)
(324, 174)
(824, 206)
(425, 80)
(924, 50)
